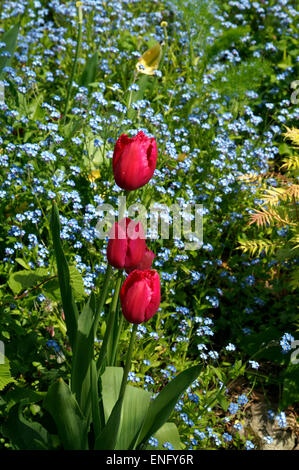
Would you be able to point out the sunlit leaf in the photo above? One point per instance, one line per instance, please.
(150, 60)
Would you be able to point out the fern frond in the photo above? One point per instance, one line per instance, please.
(295, 241)
(294, 282)
(273, 196)
(293, 135)
(293, 191)
(291, 163)
(255, 247)
(260, 217)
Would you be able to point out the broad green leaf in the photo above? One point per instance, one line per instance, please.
(95, 156)
(5, 376)
(111, 382)
(167, 433)
(23, 263)
(96, 403)
(25, 279)
(135, 406)
(83, 354)
(77, 284)
(107, 438)
(10, 39)
(71, 425)
(90, 71)
(134, 409)
(68, 302)
(162, 406)
(26, 395)
(52, 289)
(24, 434)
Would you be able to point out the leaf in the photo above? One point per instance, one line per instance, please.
(71, 424)
(26, 395)
(23, 263)
(5, 376)
(97, 418)
(24, 434)
(290, 392)
(25, 279)
(135, 404)
(106, 440)
(144, 83)
(82, 355)
(10, 39)
(77, 284)
(89, 73)
(95, 155)
(68, 302)
(111, 382)
(150, 60)
(52, 290)
(162, 406)
(168, 433)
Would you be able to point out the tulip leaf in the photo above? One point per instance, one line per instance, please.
(106, 440)
(10, 40)
(135, 404)
(96, 403)
(89, 73)
(82, 355)
(111, 382)
(167, 433)
(68, 302)
(162, 406)
(71, 425)
(24, 434)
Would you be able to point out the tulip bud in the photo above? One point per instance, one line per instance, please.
(145, 263)
(126, 245)
(140, 295)
(134, 161)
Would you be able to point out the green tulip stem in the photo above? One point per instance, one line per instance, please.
(116, 345)
(111, 321)
(128, 363)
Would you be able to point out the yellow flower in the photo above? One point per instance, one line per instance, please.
(94, 175)
(149, 61)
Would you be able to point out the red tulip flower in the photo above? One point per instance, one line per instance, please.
(145, 263)
(140, 295)
(126, 245)
(134, 161)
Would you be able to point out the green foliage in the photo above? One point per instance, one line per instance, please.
(24, 434)
(5, 375)
(68, 302)
(162, 406)
(71, 424)
(10, 39)
(218, 145)
(243, 77)
(290, 378)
